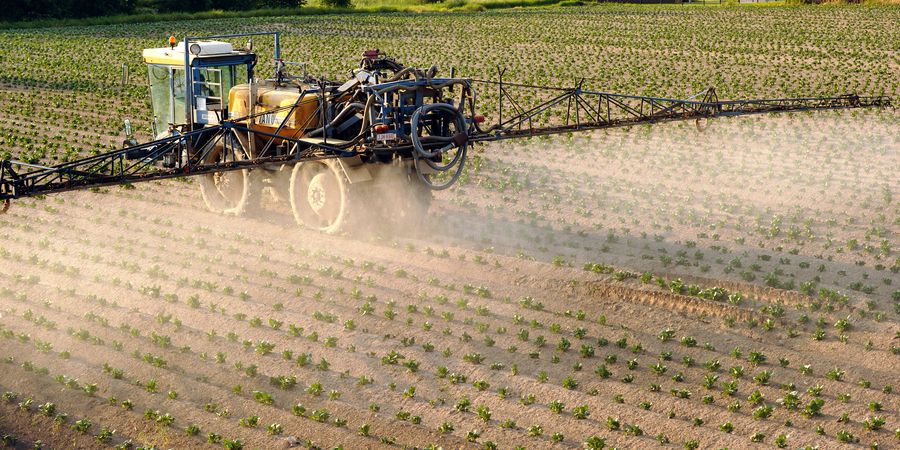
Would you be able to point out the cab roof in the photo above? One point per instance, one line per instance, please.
(203, 53)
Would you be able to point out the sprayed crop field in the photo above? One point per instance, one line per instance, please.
(645, 287)
(645, 50)
(543, 304)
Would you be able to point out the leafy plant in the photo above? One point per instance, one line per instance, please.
(82, 426)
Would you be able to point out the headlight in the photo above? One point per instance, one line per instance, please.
(195, 49)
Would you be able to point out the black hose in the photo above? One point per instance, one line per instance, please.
(399, 75)
(350, 108)
(419, 152)
(425, 109)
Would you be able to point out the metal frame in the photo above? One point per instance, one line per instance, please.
(114, 168)
(591, 110)
(186, 154)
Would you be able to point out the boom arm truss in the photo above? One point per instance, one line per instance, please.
(116, 168)
(556, 111)
(580, 109)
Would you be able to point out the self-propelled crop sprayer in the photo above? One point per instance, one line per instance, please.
(383, 139)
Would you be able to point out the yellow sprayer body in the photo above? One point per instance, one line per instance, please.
(279, 100)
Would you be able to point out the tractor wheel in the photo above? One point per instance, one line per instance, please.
(232, 193)
(320, 196)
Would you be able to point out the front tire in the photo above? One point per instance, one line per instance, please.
(229, 193)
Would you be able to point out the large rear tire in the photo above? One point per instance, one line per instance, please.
(320, 196)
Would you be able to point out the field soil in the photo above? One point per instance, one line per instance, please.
(636, 287)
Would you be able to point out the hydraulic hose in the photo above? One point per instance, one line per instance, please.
(420, 152)
(352, 108)
(399, 75)
(366, 120)
(414, 127)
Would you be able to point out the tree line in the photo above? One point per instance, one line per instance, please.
(18, 10)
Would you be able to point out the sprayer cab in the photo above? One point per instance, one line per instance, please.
(210, 69)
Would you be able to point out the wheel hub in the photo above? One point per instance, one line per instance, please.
(318, 195)
(229, 184)
(221, 180)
